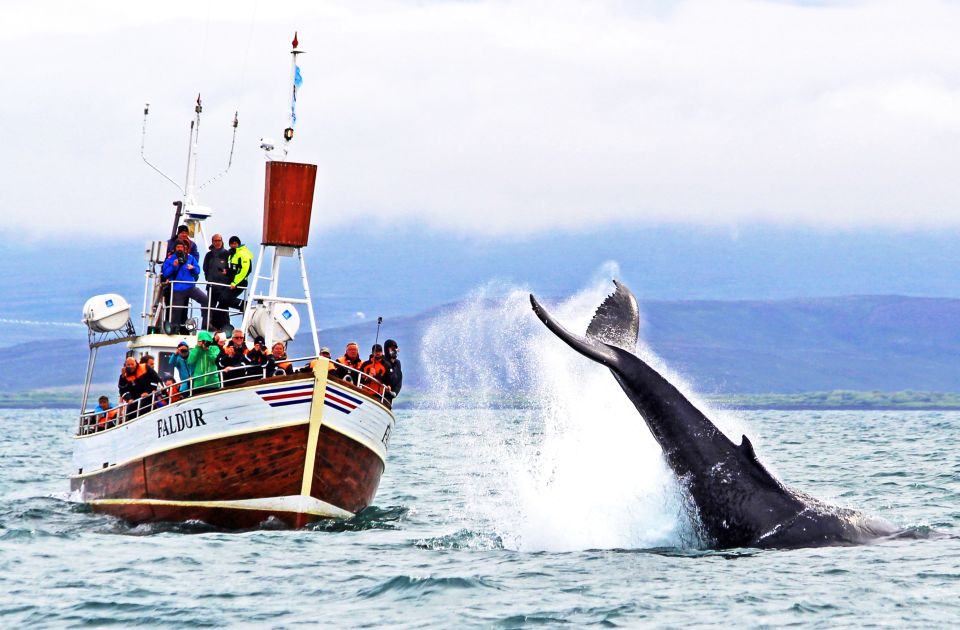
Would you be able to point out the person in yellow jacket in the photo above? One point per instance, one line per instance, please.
(241, 265)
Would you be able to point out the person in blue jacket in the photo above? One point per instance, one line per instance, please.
(183, 271)
(178, 362)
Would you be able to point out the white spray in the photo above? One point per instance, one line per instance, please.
(577, 468)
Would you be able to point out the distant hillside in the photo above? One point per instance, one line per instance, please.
(866, 343)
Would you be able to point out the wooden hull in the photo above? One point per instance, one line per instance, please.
(326, 465)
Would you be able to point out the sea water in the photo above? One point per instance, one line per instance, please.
(453, 544)
(558, 513)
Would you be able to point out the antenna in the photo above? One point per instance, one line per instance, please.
(233, 142)
(190, 188)
(143, 141)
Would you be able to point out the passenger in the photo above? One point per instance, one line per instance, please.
(106, 417)
(173, 392)
(241, 264)
(183, 235)
(216, 271)
(350, 359)
(278, 361)
(331, 366)
(148, 382)
(258, 353)
(374, 370)
(178, 361)
(394, 377)
(238, 343)
(128, 380)
(233, 363)
(182, 269)
(203, 363)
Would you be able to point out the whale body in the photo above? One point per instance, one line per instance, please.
(737, 502)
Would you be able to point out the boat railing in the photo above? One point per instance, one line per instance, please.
(103, 419)
(165, 309)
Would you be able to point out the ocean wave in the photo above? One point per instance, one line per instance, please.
(464, 539)
(417, 586)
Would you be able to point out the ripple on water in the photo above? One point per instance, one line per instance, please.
(408, 587)
(463, 539)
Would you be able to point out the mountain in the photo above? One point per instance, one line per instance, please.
(885, 343)
(359, 272)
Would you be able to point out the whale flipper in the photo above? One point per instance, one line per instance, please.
(617, 320)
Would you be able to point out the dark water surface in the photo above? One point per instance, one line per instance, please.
(487, 518)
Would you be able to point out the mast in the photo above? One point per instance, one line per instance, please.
(295, 82)
(188, 210)
(287, 208)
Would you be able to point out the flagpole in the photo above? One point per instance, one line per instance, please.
(294, 87)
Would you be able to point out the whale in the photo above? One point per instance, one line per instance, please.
(732, 498)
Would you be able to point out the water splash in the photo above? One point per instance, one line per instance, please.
(578, 469)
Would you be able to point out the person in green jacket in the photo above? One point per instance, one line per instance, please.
(203, 363)
(241, 264)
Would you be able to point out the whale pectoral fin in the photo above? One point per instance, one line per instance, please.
(617, 319)
(589, 348)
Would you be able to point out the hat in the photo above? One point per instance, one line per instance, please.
(184, 344)
(389, 343)
(182, 229)
(260, 340)
(376, 348)
(324, 349)
(204, 336)
(235, 239)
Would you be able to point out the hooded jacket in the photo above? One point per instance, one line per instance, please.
(203, 363)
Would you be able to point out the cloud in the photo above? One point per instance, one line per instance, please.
(491, 118)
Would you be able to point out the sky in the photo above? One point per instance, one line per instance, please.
(495, 119)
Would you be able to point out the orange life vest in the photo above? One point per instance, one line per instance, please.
(354, 363)
(141, 370)
(377, 370)
(105, 417)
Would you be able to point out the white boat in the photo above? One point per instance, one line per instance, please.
(297, 444)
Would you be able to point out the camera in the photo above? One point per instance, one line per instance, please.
(182, 258)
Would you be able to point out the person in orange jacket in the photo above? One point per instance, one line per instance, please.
(351, 358)
(105, 415)
(374, 370)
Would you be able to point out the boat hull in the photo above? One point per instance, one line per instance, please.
(295, 450)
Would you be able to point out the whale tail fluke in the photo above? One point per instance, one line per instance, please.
(590, 348)
(617, 320)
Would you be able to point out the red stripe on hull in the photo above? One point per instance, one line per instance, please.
(250, 466)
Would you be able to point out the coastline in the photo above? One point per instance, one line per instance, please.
(839, 400)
